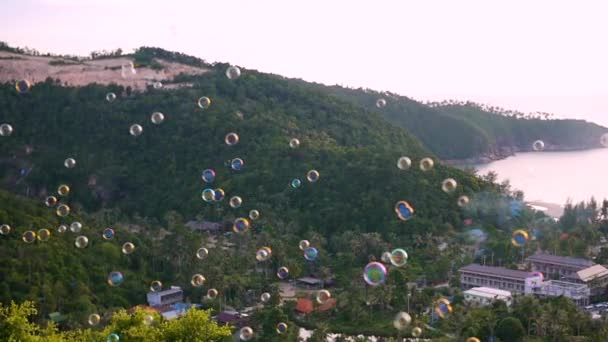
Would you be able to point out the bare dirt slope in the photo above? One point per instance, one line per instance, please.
(103, 71)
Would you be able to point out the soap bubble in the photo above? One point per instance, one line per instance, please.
(296, 183)
(323, 296)
(283, 273)
(381, 103)
(197, 280)
(416, 331)
(538, 274)
(110, 97)
(69, 163)
(246, 334)
(519, 238)
(62, 228)
(208, 195)
(81, 241)
(604, 140)
(5, 229)
(402, 320)
(233, 72)
(128, 248)
(463, 201)
(449, 185)
(386, 257)
(29, 236)
(44, 234)
(240, 225)
(443, 307)
(263, 254)
(50, 201)
(254, 214)
(219, 194)
(6, 130)
(108, 234)
(473, 339)
(212, 293)
(304, 244)
(538, 145)
(398, 257)
(23, 86)
(136, 130)
(202, 253)
(204, 102)
(113, 337)
(311, 253)
(265, 297)
(94, 319)
(208, 176)
(374, 273)
(156, 286)
(75, 227)
(281, 328)
(426, 164)
(404, 163)
(235, 202)
(157, 85)
(294, 143)
(157, 118)
(63, 190)
(404, 210)
(312, 176)
(237, 164)
(115, 278)
(62, 210)
(231, 139)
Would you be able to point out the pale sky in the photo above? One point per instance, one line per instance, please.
(520, 54)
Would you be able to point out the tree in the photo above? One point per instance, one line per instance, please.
(195, 325)
(510, 329)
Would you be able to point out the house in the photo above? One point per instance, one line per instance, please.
(595, 277)
(232, 318)
(475, 275)
(309, 283)
(306, 306)
(483, 296)
(175, 294)
(555, 266)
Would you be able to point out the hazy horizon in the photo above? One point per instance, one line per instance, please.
(542, 56)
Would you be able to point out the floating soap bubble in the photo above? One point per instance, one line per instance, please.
(304, 244)
(604, 140)
(381, 103)
(208, 176)
(404, 210)
(473, 339)
(197, 280)
(5, 229)
(398, 257)
(94, 319)
(254, 214)
(283, 273)
(265, 297)
(402, 320)
(219, 194)
(62, 228)
(323, 296)
(50, 201)
(63, 190)
(157, 118)
(75, 227)
(231, 139)
(157, 85)
(136, 130)
(519, 238)
(246, 334)
(449, 185)
(110, 97)
(69, 163)
(23, 86)
(240, 225)
(294, 143)
(233, 72)
(156, 286)
(113, 337)
(416, 332)
(443, 307)
(374, 273)
(463, 201)
(62, 210)
(44, 235)
(312, 176)
(148, 319)
(208, 195)
(115, 278)
(29, 236)
(538, 145)
(404, 163)
(108, 234)
(212, 293)
(6, 130)
(204, 102)
(235, 202)
(263, 255)
(311, 253)
(202, 253)
(538, 274)
(237, 164)
(81, 241)
(128, 248)
(281, 328)
(426, 164)
(386, 257)
(296, 183)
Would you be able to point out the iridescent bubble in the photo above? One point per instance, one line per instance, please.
(202, 253)
(323, 296)
(404, 210)
(148, 319)
(233, 72)
(136, 130)
(62, 210)
(281, 328)
(603, 139)
(44, 235)
(23, 86)
(237, 164)
(304, 244)
(6, 130)
(75, 227)
(157, 118)
(381, 103)
(246, 334)
(463, 201)
(197, 280)
(263, 254)
(110, 97)
(208, 195)
(294, 143)
(128, 248)
(296, 183)
(416, 332)
(449, 185)
(426, 164)
(473, 339)
(254, 214)
(50, 201)
(312, 176)
(94, 319)
(81, 241)
(443, 307)
(235, 202)
(5, 229)
(283, 273)
(265, 297)
(29, 236)
(231, 139)
(156, 286)
(208, 176)
(113, 337)
(538, 274)
(311, 253)
(241, 225)
(204, 102)
(519, 238)
(404, 163)
(63, 190)
(374, 273)
(108, 234)
(398, 257)
(62, 228)
(219, 194)
(386, 257)
(157, 85)
(115, 278)
(212, 293)
(69, 163)
(402, 320)
(538, 145)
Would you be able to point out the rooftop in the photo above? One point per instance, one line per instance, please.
(495, 271)
(171, 290)
(589, 273)
(309, 280)
(488, 292)
(560, 260)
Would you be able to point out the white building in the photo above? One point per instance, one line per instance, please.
(170, 296)
(483, 296)
(578, 293)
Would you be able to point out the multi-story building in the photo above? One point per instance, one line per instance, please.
(173, 295)
(595, 277)
(475, 275)
(579, 293)
(483, 296)
(557, 267)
